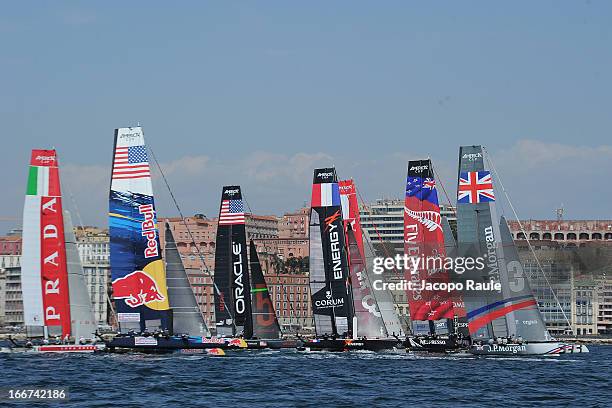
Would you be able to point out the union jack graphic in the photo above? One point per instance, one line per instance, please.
(475, 187)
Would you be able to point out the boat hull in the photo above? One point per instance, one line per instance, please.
(168, 344)
(429, 344)
(553, 348)
(56, 348)
(352, 344)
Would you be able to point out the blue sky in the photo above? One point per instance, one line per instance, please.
(259, 93)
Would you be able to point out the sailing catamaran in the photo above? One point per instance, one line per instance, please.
(506, 321)
(243, 307)
(345, 318)
(432, 313)
(156, 308)
(55, 298)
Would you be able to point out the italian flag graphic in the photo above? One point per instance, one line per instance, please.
(43, 181)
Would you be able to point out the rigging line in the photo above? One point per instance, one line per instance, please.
(448, 200)
(200, 255)
(280, 284)
(66, 185)
(501, 184)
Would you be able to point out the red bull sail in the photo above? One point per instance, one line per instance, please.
(137, 269)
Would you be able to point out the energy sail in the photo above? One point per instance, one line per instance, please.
(55, 298)
(424, 241)
(369, 322)
(137, 270)
(329, 275)
(232, 299)
(265, 323)
(478, 236)
(186, 315)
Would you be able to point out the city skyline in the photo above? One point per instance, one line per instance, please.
(260, 95)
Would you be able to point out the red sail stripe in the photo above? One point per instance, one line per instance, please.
(476, 324)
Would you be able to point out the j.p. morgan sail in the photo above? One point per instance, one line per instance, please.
(55, 298)
(137, 269)
(329, 284)
(478, 236)
(232, 294)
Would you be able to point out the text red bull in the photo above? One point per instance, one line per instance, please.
(137, 288)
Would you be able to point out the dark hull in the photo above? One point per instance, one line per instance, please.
(275, 344)
(170, 344)
(351, 345)
(440, 344)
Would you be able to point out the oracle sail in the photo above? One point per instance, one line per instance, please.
(55, 298)
(186, 315)
(232, 296)
(329, 275)
(137, 269)
(265, 323)
(369, 322)
(424, 240)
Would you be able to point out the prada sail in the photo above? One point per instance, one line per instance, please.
(232, 300)
(329, 275)
(55, 298)
(265, 323)
(186, 315)
(137, 269)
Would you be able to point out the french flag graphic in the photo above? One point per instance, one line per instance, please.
(325, 195)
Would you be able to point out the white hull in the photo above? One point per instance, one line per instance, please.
(553, 348)
(56, 348)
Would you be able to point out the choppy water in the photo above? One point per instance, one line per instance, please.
(290, 378)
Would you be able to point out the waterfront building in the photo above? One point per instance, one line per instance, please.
(384, 219)
(10, 245)
(2, 294)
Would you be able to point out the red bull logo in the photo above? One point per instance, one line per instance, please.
(137, 288)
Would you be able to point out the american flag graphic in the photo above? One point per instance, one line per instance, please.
(131, 163)
(475, 187)
(232, 212)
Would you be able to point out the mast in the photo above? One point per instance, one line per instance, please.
(137, 269)
(187, 317)
(265, 323)
(233, 300)
(329, 275)
(424, 240)
(44, 276)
